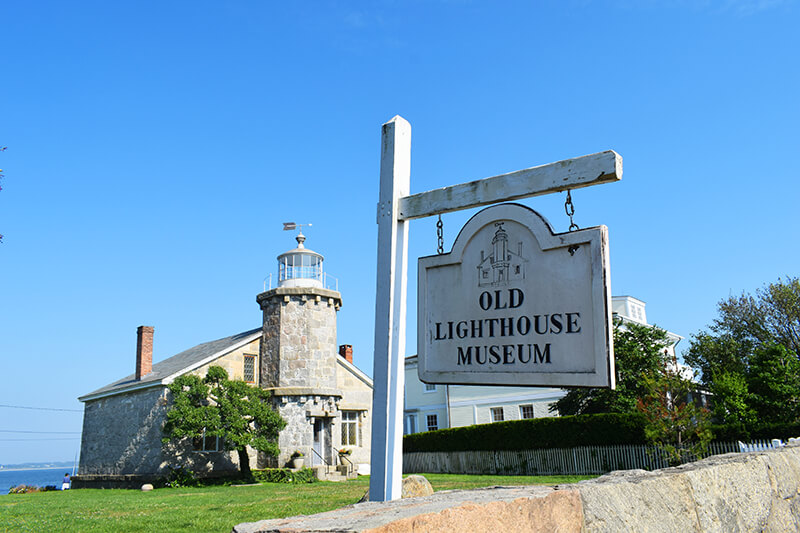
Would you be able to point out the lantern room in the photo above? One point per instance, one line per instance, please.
(300, 267)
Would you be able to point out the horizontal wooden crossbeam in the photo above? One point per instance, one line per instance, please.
(594, 169)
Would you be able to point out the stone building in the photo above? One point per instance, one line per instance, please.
(323, 397)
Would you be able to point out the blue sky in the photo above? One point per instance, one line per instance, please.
(155, 148)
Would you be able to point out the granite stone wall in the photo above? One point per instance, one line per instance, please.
(298, 345)
(122, 435)
(300, 411)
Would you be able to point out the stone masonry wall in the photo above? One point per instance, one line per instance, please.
(298, 435)
(298, 346)
(122, 435)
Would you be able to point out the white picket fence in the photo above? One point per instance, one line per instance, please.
(582, 460)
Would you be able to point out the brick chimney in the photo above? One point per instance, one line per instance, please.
(144, 351)
(346, 351)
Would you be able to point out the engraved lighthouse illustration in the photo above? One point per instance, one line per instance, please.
(501, 265)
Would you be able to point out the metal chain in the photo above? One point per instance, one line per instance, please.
(569, 207)
(439, 237)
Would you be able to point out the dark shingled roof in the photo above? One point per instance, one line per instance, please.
(174, 364)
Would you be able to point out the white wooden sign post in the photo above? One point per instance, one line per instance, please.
(395, 208)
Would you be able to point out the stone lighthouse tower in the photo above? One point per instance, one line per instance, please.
(298, 355)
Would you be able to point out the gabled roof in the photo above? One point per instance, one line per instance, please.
(353, 369)
(167, 370)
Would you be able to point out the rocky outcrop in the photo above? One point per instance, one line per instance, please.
(500, 509)
(757, 491)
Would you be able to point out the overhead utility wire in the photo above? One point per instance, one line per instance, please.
(40, 440)
(41, 408)
(25, 431)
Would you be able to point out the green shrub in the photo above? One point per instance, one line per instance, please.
(730, 432)
(781, 431)
(734, 432)
(179, 476)
(555, 432)
(284, 475)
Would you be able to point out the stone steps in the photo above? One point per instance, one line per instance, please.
(333, 473)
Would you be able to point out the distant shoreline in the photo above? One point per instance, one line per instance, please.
(35, 468)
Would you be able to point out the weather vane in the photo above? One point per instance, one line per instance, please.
(289, 226)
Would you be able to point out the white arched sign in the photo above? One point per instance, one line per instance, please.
(515, 304)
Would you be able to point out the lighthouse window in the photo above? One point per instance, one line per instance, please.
(250, 368)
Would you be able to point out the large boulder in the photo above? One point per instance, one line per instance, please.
(415, 486)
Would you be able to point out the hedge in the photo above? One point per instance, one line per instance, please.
(284, 475)
(760, 432)
(569, 432)
(555, 432)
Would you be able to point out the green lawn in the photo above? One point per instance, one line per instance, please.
(215, 508)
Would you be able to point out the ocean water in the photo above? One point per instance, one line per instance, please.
(39, 477)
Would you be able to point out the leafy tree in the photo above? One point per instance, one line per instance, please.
(746, 323)
(780, 304)
(745, 357)
(638, 354)
(237, 412)
(731, 399)
(774, 384)
(678, 427)
(718, 355)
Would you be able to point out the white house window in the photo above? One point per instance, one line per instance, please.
(433, 422)
(430, 387)
(207, 443)
(497, 414)
(250, 368)
(526, 411)
(350, 433)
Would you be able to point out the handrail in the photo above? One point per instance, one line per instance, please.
(327, 281)
(318, 455)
